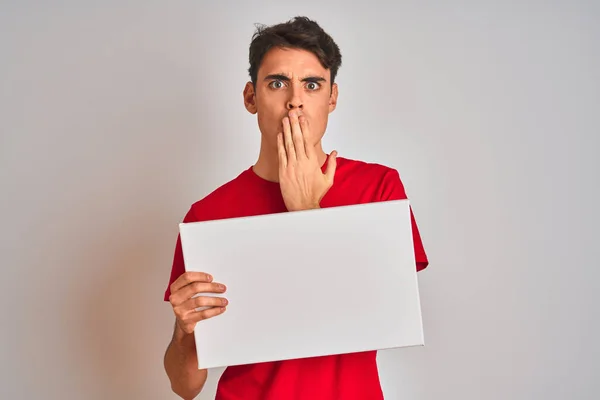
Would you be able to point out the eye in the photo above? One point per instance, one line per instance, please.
(276, 84)
(313, 86)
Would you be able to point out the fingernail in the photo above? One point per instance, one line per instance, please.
(225, 302)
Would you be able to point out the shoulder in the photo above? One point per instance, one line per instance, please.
(372, 181)
(357, 169)
(212, 206)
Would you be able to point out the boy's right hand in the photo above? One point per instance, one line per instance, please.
(190, 284)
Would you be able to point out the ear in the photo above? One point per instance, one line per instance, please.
(333, 98)
(250, 98)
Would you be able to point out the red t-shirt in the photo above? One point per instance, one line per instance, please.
(346, 376)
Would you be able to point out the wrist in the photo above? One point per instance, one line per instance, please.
(182, 337)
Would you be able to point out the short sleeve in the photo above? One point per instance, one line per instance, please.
(393, 189)
(178, 266)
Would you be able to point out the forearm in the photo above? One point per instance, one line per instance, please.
(181, 365)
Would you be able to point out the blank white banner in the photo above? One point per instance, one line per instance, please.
(308, 283)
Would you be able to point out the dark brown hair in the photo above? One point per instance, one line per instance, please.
(298, 33)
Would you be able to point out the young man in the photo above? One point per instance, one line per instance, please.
(292, 91)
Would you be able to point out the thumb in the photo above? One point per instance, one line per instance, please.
(331, 165)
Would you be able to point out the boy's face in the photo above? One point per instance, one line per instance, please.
(291, 79)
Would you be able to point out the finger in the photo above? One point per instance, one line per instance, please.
(288, 142)
(188, 277)
(193, 289)
(197, 304)
(331, 166)
(204, 314)
(297, 136)
(309, 150)
(281, 151)
(203, 302)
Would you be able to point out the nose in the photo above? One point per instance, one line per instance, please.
(295, 100)
(294, 104)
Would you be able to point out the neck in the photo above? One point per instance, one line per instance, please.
(267, 165)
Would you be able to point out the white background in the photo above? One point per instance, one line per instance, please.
(116, 116)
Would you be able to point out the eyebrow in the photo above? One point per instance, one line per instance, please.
(283, 77)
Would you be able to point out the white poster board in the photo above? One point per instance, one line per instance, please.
(307, 283)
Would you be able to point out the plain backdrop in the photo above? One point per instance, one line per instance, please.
(116, 116)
